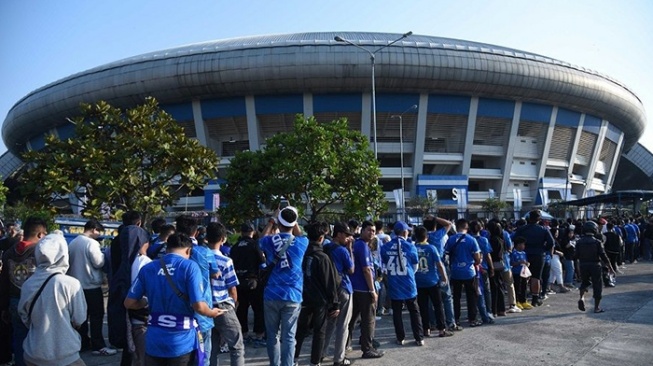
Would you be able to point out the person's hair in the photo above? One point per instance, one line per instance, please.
(534, 216)
(178, 241)
(316, 229)
(288, 215)
(378, 224)
(494, 228)
(215, 232)
(610, 226)
(353, 224)
(475, 226)
(93, 224)
(166, 230)
(461, 224)
(430, 223)
(420, 233)
(131, 218)
(519, 240)
(33, 225)
(157, 224)
(365, 224)
(186, 224)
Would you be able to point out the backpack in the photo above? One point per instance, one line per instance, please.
(313, 293)
(329, 251)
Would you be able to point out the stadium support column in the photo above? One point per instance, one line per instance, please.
(469, 137)
(547, 145)
(591, 170)
(420, 136)
(574, 148)
(615, 163)
(308, 105)
(252, 123)
(510, 151)
(200, 126)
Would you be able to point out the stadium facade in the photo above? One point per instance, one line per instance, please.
(490, 121)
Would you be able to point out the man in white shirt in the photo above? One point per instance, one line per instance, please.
(86, 261)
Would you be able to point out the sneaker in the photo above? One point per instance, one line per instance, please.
(345, 362)
(543, 298)
(563, 290)
(373, 354)
(513, 309)
(259, 342)
(455, 328)
(550, 292)
(526, 306)
(419, 343)
(427, 332)
(349, 349)
(106, 351)
(445, 333)
(400, 342)
(520, 305)
(377, 318)
(375, 343)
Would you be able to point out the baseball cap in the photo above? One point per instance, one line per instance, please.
(246, 228)
(401, 226)
(341, 227)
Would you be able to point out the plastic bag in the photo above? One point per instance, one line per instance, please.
(525, 272)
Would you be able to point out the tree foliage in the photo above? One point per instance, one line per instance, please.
(316, 165)
(3, 193)
(494, 205)
(136, 159)
(421, 206)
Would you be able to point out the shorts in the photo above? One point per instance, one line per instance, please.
(537, 263)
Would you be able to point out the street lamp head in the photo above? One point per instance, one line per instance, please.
(410, 33)
(338, 39)
(413, 107)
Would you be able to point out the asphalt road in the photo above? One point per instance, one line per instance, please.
(556, 333)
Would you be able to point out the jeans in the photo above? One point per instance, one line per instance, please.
(227, 328)
(340, 326)
(95, 316)
(138, 335)
(311, 318)
(569, 271)
(447, 303)
(281, 325)
(415, 319)
(20, 331)
(206, 338)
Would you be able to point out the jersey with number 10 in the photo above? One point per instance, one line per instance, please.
(400, 259)
(427, 271)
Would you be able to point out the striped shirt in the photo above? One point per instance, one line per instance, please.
(226, 279)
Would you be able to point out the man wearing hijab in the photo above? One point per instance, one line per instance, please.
(51, 300)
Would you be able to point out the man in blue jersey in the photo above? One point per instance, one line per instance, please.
(429, 278)
(400, 259)
(174, 294)
(538, 241)
(282, 296)
(341, 253)
(205, 259)
(438, 238)
(225, 296)
(464, 259)
(364, 296)
(632, 238)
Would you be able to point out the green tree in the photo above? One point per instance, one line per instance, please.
(3, 193)
(136, 159)
(494, 205)
(313, 166)
(421, 206)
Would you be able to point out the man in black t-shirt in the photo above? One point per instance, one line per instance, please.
(247, 258)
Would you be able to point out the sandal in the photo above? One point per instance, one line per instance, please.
(455, 328)
(581, 305)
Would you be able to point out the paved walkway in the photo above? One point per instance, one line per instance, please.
(554, 334)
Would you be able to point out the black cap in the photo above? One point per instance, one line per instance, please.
(246, 228)
(341, 227)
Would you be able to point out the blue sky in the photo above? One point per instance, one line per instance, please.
(42, 41)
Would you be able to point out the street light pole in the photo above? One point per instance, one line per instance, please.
(373, 61)
(401, 152)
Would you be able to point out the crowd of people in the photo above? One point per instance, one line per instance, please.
(180, 294)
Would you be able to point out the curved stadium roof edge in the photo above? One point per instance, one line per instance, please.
(593, 92)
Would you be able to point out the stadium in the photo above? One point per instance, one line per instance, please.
(489, 121)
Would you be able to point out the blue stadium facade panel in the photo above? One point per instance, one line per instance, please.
(491, 121)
